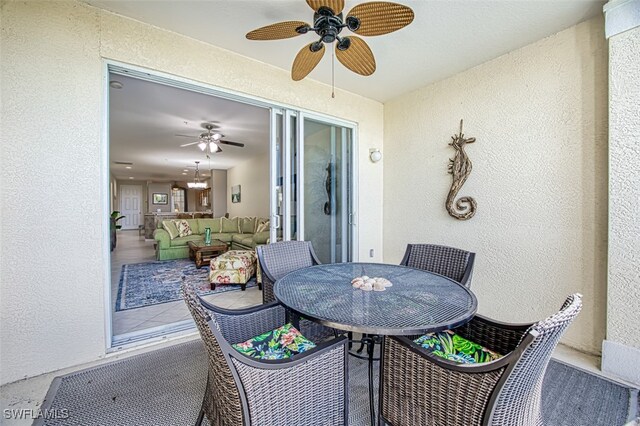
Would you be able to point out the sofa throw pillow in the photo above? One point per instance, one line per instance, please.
(183, 228)
(230, 225)
(248, 224)
(260, 221)
(264, 226)
(170, 227)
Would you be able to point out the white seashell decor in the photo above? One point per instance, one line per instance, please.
(366, 283)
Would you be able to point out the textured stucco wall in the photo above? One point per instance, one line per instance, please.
(253, 176)
(623, 309)
(539, 115)
(52, 267)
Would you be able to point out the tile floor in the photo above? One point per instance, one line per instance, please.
(132, 248)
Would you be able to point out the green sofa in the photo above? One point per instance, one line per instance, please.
(239, 233)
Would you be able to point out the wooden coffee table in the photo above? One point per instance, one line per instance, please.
(202, 253)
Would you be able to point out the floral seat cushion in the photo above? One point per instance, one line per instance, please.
(283, 342)
(453, 347)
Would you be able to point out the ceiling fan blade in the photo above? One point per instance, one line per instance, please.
(335, 5)
(187, 136)
(277, 31)
(241, 145)
(189, 144)
(381, 17)
(357, 57)
(306, 60)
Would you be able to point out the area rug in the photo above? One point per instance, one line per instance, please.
(160, 388)
(152, 283)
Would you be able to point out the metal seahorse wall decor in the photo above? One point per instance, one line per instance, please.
(327, 187)
(460, 168)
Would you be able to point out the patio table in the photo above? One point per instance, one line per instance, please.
(418, 302)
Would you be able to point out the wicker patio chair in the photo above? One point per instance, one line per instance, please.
(421, 388)
(309, 388)
(278, 259)
(451, 262)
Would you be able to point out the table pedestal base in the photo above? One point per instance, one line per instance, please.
(370, 341)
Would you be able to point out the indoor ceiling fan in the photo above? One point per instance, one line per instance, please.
(209, 141)
(366, 19)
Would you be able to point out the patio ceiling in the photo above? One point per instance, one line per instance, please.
(446, 37)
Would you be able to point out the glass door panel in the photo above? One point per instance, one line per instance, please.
(327, 194)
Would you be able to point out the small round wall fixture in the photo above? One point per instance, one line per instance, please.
(115, 84)
(375, 155)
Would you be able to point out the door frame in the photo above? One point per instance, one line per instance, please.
(117, 67)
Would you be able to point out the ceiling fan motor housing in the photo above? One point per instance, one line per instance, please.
(327, 25)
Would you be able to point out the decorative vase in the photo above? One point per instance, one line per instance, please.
(207, 236)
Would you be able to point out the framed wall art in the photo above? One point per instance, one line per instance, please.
(160, 198)
(235, 194)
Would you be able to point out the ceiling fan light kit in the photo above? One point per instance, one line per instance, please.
(209, 141)
(366, 19)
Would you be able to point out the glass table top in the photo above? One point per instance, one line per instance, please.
(202, 244)
(417, 303)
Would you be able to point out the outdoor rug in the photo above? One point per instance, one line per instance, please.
(166, 386)
(152, 283)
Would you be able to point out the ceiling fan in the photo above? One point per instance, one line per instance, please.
(366, 19)
(209, 141)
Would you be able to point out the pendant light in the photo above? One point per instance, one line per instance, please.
(196, 180)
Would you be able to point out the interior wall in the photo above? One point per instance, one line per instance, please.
(539, 116)
(219, 188)
(623, 318)
(69, 41)
(253, 177)
(159, 188)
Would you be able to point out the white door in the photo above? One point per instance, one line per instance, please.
(130, 201)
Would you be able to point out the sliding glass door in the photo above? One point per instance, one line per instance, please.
(326, 165)
(312, 187)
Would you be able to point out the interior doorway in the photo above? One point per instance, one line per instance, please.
(182, 150)
(175, 151)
